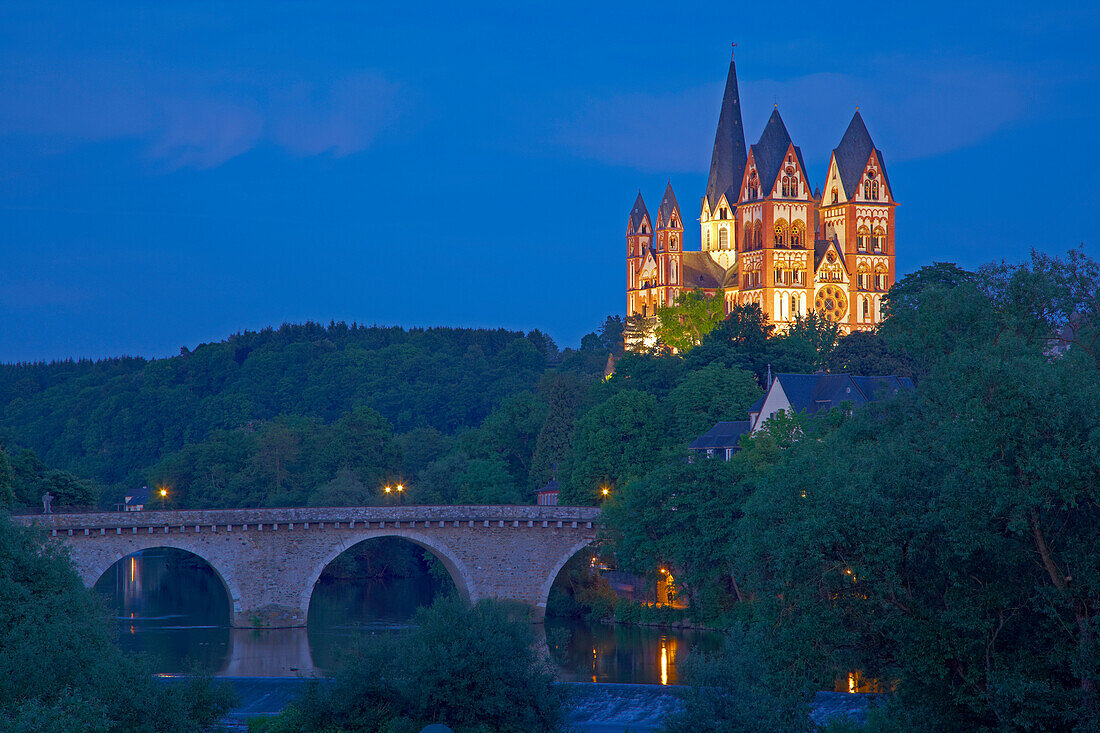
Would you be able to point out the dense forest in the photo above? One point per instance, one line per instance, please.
(318, 415)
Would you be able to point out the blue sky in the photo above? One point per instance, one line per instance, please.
(171, 173)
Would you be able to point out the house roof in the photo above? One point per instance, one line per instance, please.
(811, 393)
(853, 153)
(821, 247)
(727, 161)
(770, 150)
(668, 207)
(137, 496)
(637, 214)
(722, 435)
(551, 485)
(701, 271)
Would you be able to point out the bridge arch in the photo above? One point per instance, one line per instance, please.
(460, 574)
(544, 589)
(92, 568)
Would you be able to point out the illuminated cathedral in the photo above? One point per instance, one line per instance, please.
(766, 236)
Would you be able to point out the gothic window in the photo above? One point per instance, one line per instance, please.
(672, 278)
(861, 239)
(866, 309)
(780, 276)
(794, 304)
(754, 187)
(874, 190)
(746, 241)
(796, 235)
(780, 233)
(757, 236)
(645, 230)
(880, 239)
(723, 238)
(867, 190)
(835, 197)
(672, 244)
(708, 238)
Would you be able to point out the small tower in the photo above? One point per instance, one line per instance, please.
(669, 248)
(639, 237)
(718, 218)
(857, 214)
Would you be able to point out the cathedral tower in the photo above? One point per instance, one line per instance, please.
(776, 214)
(670, 247)
(639, 236)
(857, 214)
(718, 219)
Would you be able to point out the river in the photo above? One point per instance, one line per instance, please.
(173, 607)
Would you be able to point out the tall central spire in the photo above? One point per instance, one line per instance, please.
(727, 162)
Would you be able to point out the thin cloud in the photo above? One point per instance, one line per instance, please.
(913, 112)
(196, 119)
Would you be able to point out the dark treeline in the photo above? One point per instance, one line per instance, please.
(327, 415)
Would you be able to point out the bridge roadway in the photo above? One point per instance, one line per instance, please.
(270, 559)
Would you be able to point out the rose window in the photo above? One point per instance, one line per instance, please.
(831, 303)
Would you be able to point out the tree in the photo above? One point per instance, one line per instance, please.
(691, 317)
(471, 668)
(7, 479)
(615, 441)
(865, 353)
(554, 444)
(707, 396)
(59, 666)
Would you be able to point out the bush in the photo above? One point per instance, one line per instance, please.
(475, 669)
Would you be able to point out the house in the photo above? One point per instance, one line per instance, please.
(548, 495)
(798, 393)
(135, 501)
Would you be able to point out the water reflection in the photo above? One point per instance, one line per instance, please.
(172, 606)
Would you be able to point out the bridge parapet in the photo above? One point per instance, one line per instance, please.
(270, 559)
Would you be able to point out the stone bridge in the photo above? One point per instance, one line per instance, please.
(270, 559)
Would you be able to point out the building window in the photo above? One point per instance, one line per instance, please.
(757, 236)
(880, 239)
(708, 238)
(672, 278)
(672, 244)
(723, 238)
(796, 235)
(754, 187)
(835, 197)
(861, 239)
(781, 233)
(874, 190)
(866, 309)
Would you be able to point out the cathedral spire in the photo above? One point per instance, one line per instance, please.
(727, 162)
(668, 215)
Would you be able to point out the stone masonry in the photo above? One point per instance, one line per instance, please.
(270, 559)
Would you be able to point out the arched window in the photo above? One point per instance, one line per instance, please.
(874, 190)
(672, 277)
(754, 187)
(867, 189)
(746, 241)
(878, 309)
(880, 239)
(708, 238)
(778, 313)
(757, 236)
(723, 238)
(797, 231)
(835, 197)
(866, 309)
(672, 243)
(780, 276)
(861, 239)
(780, 233)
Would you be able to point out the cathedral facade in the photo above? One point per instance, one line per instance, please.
(766, 236)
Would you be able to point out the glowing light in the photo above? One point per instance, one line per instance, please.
(389, 489)
(664, 663)
(401, 487)
(133, 569)
(606, 491)
(163, 492)
(851, 682)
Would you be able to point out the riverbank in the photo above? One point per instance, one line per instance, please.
(590, 708)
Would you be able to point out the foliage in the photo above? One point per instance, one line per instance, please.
(736, 691)
(692, 316)
(865, 353)
(31, 480)
(474, 669)
(707, 396)
(615, 441)
(59, 666)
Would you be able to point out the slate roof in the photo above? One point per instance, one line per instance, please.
(552, 485)
(701, 271)
(770, 151)
(137, 496)
(813, 392)
(668, 206)
(722, 435)
(821, 246)
(853, 153)
(637, 215)
(727, 162)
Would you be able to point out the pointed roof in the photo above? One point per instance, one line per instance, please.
(727, 162)
(853, 153)
(769, 152)
(668, 206)
(637, 215)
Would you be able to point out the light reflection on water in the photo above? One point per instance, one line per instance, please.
(173, 607)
